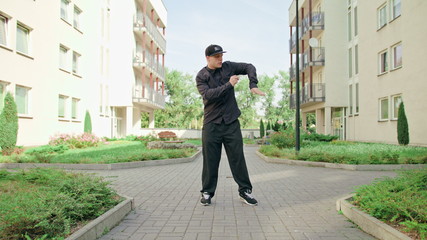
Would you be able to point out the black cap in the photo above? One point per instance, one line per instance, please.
(213, 50)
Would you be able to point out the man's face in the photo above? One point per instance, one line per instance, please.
(214, 61)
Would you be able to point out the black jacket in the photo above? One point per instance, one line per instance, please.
(218, 93)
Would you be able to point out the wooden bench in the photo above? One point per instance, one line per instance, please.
(170, 136)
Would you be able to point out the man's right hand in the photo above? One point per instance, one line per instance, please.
(234, 79)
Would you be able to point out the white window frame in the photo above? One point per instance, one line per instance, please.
(76, 17)
(76, 61)
(355, 20)
(27, 31)
(4, 30)
(380, 108)
(64, 10)
(356, 94)
(382, 12)
(63, 57)
(395, 105)
(3, 86)
(383, 62)
(26, 110)
(395, 63)
(350, 62)
(75, 108)
(64, 106)
(395, 5)
(356, 59)
(350, 99)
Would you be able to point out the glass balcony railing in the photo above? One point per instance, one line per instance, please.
(142, 21)
(313, 21)
(310, 93)
(141, 57)
(314, 56)
(149, 95)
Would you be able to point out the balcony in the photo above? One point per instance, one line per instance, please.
(314, 56)
(311, 93)
(148, 96)
(143, 58)
(293, 41)
(313, 22)
(142, 22)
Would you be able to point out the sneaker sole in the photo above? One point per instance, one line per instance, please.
(205, 204)
(250, 204)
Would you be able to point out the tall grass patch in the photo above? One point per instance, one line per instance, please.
(398, 201)
(49, 204)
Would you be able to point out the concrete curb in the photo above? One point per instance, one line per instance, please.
(97, 227)
(373, 167)
(368, 223)
(112, 166)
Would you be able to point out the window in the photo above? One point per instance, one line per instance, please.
(21, 98)
(396, 100)
(350, 63)
(63, 56)
(355, 22)
(349, 25)
(383, 62)
(383, 109)
(3, 30)
(382, 16)
(22, 39)
(357, 98)
(350, 98)
(397, 56)
(74, 108)
(356, 59)
(2, 95)
(64, 9)
(62, 106)
(76, 19)
(395, 9)
(76, 58)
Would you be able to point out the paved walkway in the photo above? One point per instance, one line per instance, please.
(294, 202)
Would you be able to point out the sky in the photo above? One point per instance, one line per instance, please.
(251, 31)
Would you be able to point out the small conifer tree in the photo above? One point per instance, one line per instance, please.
(8, 125)
(261, 129)
(88, 123)
(402, 126)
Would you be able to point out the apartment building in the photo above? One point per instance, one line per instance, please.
(358, 61)
(63, 58)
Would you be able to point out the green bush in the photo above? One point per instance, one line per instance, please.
(401, 200)
(84, 140)
(318, 137)
(402, 126)
(285, 139)
(8, 125)
(87, 123)
(48, 203)
(261, 129)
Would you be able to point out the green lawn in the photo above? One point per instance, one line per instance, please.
(113, 152)
(351, 153)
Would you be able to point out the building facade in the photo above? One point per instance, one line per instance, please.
(358, 61)
(64, 58)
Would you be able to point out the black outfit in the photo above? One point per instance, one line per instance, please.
(221, 124)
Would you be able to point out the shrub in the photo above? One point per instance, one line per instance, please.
(88, 123)
(261, 129)
(318, 137)
(76, 141)
(8, 125)
(285, 139)
(163, 145)
(402, 126)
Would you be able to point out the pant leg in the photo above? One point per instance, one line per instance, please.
(212, 146)
(233, 143)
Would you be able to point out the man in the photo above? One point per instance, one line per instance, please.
(215, 83)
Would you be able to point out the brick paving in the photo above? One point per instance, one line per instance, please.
(295, 202)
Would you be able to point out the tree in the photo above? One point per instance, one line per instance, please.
(261, 129)
(8, 125)
(246, 101)
(402, 126)
(88, 123)
(183, 102)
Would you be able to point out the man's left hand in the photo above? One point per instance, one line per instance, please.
(257, 91)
